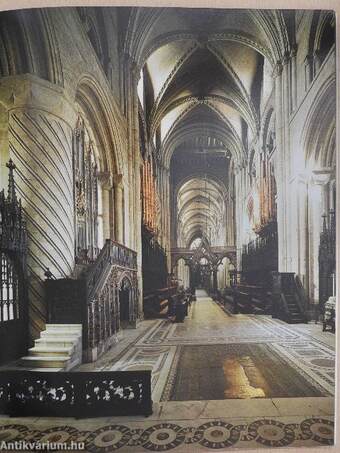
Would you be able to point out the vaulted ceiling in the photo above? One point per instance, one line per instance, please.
(204, 73)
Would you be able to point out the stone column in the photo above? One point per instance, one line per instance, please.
(106, 185)
(229, 220)
(160, 183)
(302, 232)
(166, 208)
(282, 144)
(293, 78)
(131, 76)
(308, 71)
(289, 197)
(239, 216)
(316, 209)
(214, 279)
(40, 144)
(119, 208)
(316, 61)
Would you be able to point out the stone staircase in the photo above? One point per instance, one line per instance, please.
(295, 315)
(59, 348)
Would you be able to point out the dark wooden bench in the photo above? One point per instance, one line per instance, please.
(251, 299)
(156, 303)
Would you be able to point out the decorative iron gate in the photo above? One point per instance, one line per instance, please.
(13, 293)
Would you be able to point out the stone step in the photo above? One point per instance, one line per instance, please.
(44, 362)
(50, 351)
(59, 333)
(295, 316)
(72, 327)
(53, 342)
(58, 348)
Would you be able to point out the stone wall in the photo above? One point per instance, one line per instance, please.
(37, 123)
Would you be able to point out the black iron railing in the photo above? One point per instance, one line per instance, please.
(75, 394)
(112, 254)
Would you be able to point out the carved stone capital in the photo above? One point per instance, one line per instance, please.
(277, 71)
(308, 60)
(286, 58)
(105, 179)
(293, 50)
(117, 181)
(322, 176)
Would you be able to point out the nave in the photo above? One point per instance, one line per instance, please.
(214, 355)
(206, 373)
(150, 157)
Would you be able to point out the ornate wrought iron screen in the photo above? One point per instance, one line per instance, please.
(75, 394)
(13, 297)
(9, 291)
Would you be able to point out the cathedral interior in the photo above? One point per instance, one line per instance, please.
(167, 227)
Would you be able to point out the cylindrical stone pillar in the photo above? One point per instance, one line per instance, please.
(40, 145)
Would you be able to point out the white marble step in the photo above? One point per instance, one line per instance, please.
(52, 342)
(59, 333)
(50, 352)
(44, 362)
(58, 348)
(64, 327)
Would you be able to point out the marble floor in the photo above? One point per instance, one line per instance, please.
(219, 381)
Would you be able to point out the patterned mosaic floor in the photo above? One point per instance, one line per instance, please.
(160, 348)
(178, 436)
(208, 425)
(216, 372)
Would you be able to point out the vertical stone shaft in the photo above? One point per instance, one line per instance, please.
(40, 144)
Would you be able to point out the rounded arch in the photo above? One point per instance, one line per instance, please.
(28, 44)
(223, 35)
(235, 103)
(318, 137)
(184, 132)
(104, 122)
(177, 258)
(324, 34)
(183, 272)
(218, 183)
(126, 309)
(199, 207)
(268, 123)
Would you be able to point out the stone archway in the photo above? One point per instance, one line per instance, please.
(125, 298)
